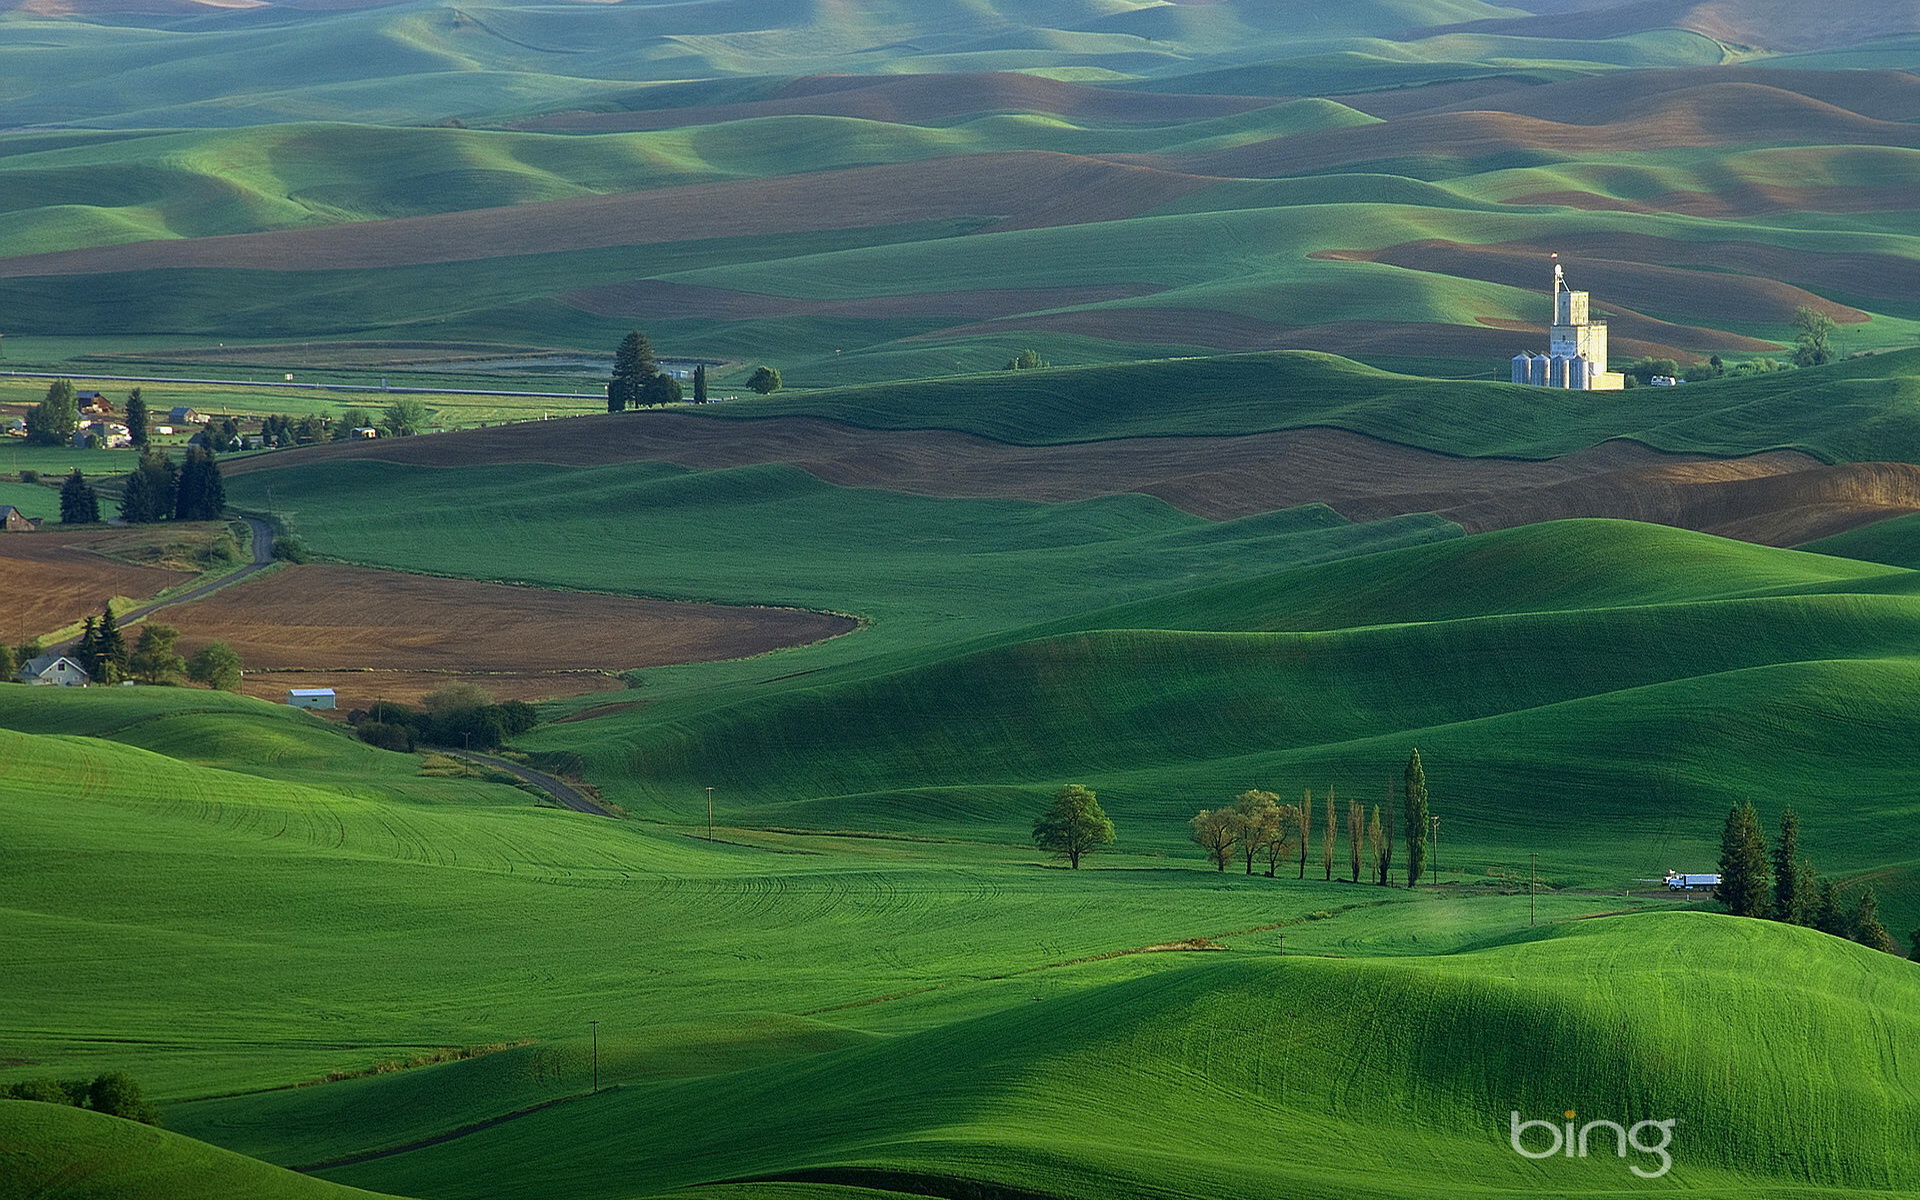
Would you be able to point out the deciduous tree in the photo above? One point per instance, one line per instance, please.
(1214, 830)
(1328, 837)
(52, 421)
(1356, 835)
(154, 659)
(1074, 827)
(1812, 337)
(404, 417)
(661, 390)
(765, 380)
(1256, 817)
(1026, 360)
(217, 666)
(1417, 823)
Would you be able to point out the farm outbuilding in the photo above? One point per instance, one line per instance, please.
(310, 697)
(183, 416)
(12, 520)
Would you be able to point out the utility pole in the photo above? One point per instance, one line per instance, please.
(1533, 883)
(596, 1056)
(709, 814)
(1436, 848)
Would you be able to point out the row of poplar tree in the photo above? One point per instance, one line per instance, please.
(1783, 886)
(1258, 827)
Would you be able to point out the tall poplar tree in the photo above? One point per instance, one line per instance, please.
(1328, 837)
(1793, 898)
(1356, 835)
(1306, 831)
(1744, 874)
(1417, 823)
(137, 418)
(700, 383)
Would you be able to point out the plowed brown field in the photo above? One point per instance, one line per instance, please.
(386, 634)
(54, 577)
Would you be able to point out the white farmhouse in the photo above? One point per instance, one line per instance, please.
(54, 670)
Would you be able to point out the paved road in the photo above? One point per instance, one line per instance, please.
(565, 793)
(262, 559)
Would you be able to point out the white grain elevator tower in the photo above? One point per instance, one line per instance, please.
(1576, 356)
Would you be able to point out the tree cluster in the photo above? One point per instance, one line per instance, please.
(460, 716)
(1785, 887)
(102, 650)
(52, 421)
(112, 1093)
(276, 431)
(157, 490)
(638, 381)
(1026, 360)
(1259, 828)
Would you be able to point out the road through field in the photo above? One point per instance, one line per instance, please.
(262, 550)
(563, 792)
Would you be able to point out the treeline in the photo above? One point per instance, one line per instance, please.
(1783, 886)
(460, 716)
(1259, 828)
(103, 651)
(112, 1093)
(157, 490)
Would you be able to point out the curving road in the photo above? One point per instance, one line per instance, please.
(262, 559)
(563, 792)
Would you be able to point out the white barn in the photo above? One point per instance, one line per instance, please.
(310, 697)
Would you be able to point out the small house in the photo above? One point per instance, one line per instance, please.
(54, 670)
(93, 403)
(183, 416)
(16, 427)
(12, 520)
(310, 697)
(366, 432)
(253, 441)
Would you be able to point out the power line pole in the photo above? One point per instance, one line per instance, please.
(709, 814)
(596, 1056)
(1533, 883)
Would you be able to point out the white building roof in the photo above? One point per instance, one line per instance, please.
(309, 691)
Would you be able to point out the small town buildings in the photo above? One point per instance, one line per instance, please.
(12, 520)
(54, 670)
(106, 433)
(310, 697)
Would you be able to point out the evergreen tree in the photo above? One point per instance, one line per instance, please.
(52, 421)
(1074, 827)
(199, 495)
(86, 651)
(8, 664)
(110, 649)
(1828, 915)
(700, 384)
(79, 503)
(137, 418)
(148, 495)
(633, 365)
(1417, 823)
(1744, 882)
(1864, 923)
(1792, 898)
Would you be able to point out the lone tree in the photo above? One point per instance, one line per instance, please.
(1812, 337)
(1215, 830)
(700, 383)
(1744, 876)
(137, 418)
(633, 365)
(217, 666)
(1074, 826)
(403, 418)
(52, 421)
(1417, 823)
(765, 380)
(79, 503)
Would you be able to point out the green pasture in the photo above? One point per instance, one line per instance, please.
(31, 499)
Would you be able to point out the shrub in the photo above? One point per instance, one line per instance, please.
(29, 477)
(386, 736)
(118, 1096)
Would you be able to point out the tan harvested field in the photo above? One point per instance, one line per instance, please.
(1022, 190)
(403, 635)
(1780, 498)
(55, 577)
(917, 99)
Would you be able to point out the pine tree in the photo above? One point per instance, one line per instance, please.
(86, 651)
(1865, 926)
(1417, 823)
(1791, 875)
(633, 366)
(199, 494)
(110, 648)
(137, 418)
(79, 503)
(148, 495)
(700, 384)
(1744, 884)
(1828, 915)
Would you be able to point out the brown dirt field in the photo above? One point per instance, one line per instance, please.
(1722, 114)
(649, 300)
(53, 578)
(916, 99)
(1625, 285)
(1780, 25)
(1018, 191)
(324, 619)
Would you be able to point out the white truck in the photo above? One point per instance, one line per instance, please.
(1687, 883)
